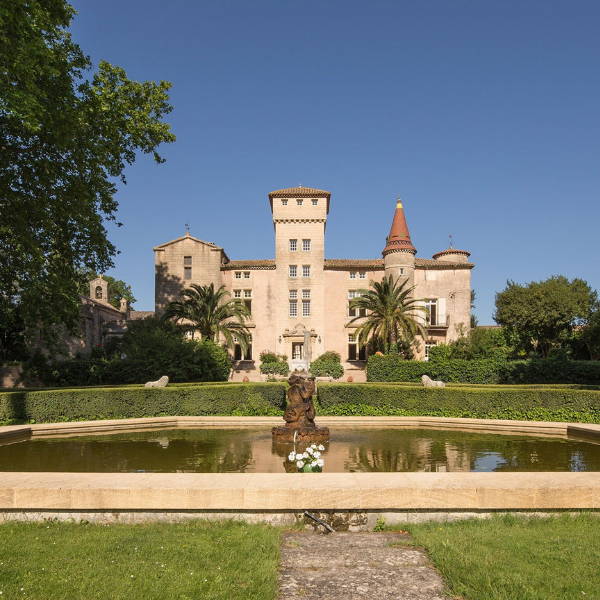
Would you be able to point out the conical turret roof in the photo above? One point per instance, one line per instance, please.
(399, 238)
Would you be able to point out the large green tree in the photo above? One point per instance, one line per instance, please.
(66, 137)
(542, 315)
(212, 313)
(388, 315)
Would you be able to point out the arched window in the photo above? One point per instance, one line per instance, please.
(98, 292)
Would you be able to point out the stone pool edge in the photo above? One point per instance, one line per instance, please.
(281, 498)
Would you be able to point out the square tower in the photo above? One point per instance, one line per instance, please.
(299, 220)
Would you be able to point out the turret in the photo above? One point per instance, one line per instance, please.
(399, 252)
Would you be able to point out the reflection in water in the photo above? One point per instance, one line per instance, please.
(252, 450)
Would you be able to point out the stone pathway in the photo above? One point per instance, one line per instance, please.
(353, 566)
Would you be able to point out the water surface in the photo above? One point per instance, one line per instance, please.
(252, 451)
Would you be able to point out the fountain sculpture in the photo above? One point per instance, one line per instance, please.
(299, 414)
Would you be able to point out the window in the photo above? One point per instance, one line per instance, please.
(246, 274)
(362, 275)
(187, 267)
(305, 270)
(293, 270)
(314, 202)
(353, 311)
(237, 350)
(297, 350)
(428, 347)
(306, 294)
(98, 292)
(293, 245)
(284, 202)
(432, 311)
(238, 274)
(306, 308)
(401, 270)
(293, 308)
(354, 352)
(247, 293)
(293, 294)
(237, 293)
(306, 245)
(248, 304)
(299, 201)
(352, 274)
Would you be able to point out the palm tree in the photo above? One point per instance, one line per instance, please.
(391, 315)
(211, 313)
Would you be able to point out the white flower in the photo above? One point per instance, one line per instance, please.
(317, 454)
(321, 447)
(320, 462)
(309, 450)
(292, 456)
(313, 463)
(299, 464)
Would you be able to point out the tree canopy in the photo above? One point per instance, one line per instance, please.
(66, 137)
(542, 315)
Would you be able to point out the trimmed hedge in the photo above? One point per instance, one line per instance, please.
(543, 404)
(129, 402)
(391, 367)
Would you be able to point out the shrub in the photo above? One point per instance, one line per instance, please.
(327, 365)
(391, 367)
(130, 402)
(273, 364)
(490, 402)
(275, 368)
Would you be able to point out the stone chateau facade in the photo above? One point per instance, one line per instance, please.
(299, 300)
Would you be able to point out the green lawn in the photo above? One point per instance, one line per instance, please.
(198, 559)
(512, 558)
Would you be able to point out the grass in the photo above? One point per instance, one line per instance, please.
(513, 558)
(198, 559)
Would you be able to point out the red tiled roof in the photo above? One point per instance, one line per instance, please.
(136, 315)
(268, 263)
(399, 238)
(451, 251)
(299, 191)
(378, 264)
(354, 263)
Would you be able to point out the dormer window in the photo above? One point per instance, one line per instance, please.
(314, 202)
(284, 202)
(299, 201)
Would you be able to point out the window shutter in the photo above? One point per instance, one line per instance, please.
(441, 311)
(420, 315)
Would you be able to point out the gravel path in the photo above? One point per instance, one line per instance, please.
(353, 566)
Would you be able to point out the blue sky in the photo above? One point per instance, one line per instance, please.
(483, 116)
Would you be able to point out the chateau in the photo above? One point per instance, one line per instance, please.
(299, 301)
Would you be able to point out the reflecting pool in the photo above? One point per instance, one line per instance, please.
(252, 451)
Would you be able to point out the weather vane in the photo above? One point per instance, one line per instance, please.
(451, 241)
(187, 227)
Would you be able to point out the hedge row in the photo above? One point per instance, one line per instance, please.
(537, 404)
(392, 367)
(129, 402)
